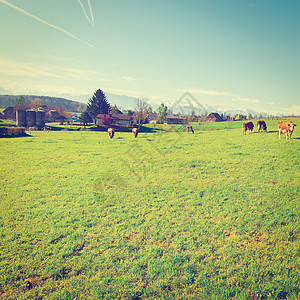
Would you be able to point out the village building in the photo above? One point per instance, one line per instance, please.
(171, 119)
(10, 113)
(53, 116)
(153, 118)
(214, 117)
(117, 119)
(75, 117)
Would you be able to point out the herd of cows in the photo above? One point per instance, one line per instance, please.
(286, 127)
(283, 127)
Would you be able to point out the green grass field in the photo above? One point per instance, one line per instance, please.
(169, 215)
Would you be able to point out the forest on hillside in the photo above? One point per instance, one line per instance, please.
(73, 106)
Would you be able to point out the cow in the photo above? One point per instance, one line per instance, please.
(32, 128)
(286, 127)
(110, 132)
(189, 129)
(46, 128)
(135, 132)
(261, 126)
(247, 126)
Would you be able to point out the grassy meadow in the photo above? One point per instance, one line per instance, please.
(169, 215)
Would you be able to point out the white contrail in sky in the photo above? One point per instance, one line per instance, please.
(42, 21)
(91, 12)
(92, 15)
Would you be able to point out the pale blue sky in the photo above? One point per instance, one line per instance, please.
(241, 53)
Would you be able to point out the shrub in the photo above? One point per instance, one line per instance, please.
(106, 120)
(8, 131)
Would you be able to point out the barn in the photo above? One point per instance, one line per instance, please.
(176, 120)
(117, 119)
(10, 113)
(214, 117)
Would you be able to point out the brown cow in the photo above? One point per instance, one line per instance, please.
(261, 126)
(247, 126)
(189, 129)
(110, 132)
(135, 132)
(286, 127)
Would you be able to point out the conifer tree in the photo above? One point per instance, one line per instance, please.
(98, 104)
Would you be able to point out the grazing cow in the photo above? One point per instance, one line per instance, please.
(189, 129)
(46, 128)
(247, 126)
(32, 128)
(135, 132)
(286, 127)
(261, 126)
(110, 132)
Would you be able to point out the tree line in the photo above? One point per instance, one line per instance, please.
(99, 104)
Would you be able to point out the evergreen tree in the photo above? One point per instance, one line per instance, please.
(98, 104)
(85, 118)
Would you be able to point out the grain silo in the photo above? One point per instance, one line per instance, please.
(21, 117)
(31, 117)
(40, 118)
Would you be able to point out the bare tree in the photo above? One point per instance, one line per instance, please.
(229, 122)
(203, 117)
(141, 112)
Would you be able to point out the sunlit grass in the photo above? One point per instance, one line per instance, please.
(172, 215)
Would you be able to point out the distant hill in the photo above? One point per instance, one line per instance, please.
(73, 106)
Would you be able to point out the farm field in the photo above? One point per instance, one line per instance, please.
(169, 215)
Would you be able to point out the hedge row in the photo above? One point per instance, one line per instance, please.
(12, 131)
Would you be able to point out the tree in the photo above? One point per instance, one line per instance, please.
(170, 111)
(20, 103)
(193, 117)
(35, 103)
(202, 121)
(114, 110)
(130, 112)
(141, 112)
(80, 108)
(237, 117)
(85, 118)
(19, 100)
(162, 113)
(98, 105)
(63, 112)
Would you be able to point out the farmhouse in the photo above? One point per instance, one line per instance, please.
(176, 120)
(214, 117)
(75, 118)
(10, 113)
(117, 119)
(53, 116)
